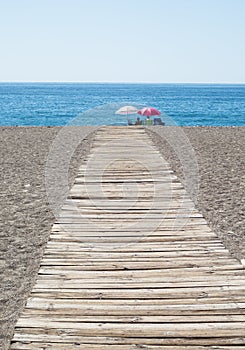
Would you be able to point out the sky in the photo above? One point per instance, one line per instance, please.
(155, 41)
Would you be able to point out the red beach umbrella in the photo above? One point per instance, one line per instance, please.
(149, 111)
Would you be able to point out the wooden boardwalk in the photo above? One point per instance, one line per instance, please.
(131, 264)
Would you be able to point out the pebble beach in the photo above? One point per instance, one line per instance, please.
(219, 156)
(26, 218)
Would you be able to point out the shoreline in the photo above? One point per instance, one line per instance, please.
(26, 218)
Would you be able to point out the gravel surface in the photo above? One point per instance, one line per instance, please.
(212, 155)
(25, 217)
(217, 156)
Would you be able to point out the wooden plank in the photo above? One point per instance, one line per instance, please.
(154, 256)
(138, 330)
(132, 266)
(191, 291)
(62, 336)
(79, 346)
(133, 247)
(47, 297)
(57, 259)
(150, 275)
(51, 282)
(28, 314)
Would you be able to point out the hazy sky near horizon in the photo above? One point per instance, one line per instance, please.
(122, 40)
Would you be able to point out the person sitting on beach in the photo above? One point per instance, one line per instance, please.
(148, 121)
(138, 121)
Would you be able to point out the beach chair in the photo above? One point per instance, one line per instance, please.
(158, 121)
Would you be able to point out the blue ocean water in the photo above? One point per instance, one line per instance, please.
(49, 104)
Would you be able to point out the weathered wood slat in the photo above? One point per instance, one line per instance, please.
(131, 263)
(135, 266)
(138, 319)
(214, 329)
(63, 336)
(143, 293)
(79, 346)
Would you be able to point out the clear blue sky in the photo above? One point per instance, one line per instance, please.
(122, 40)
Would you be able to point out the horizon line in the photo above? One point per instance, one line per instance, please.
(116, 82)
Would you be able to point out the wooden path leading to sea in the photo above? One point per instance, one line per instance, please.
(131, 264)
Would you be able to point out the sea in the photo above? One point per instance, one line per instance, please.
(60, 104)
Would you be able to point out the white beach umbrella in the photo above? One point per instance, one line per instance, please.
(126, 110)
